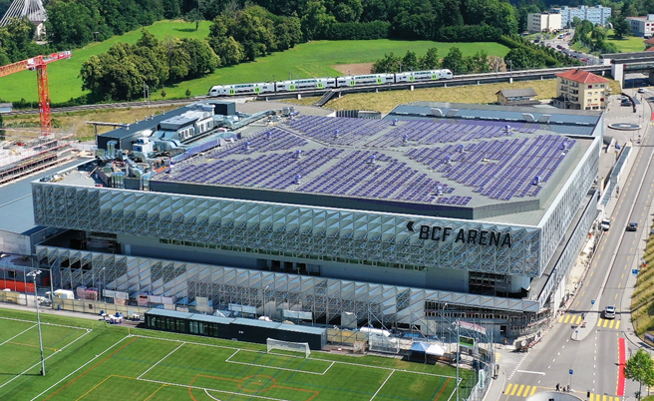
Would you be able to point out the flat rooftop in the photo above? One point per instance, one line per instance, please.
(425, 167)
(16, 209)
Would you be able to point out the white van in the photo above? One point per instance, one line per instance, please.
(605, 224)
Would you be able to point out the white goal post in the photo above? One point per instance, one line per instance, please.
(272, 344)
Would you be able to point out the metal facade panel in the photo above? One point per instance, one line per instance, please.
(357, 236)
(224, 285)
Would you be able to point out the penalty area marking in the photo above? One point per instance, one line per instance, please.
(161, 360)
(27, 329)
(76, 370)
(45, 359)
(382, 385)
(276, 368)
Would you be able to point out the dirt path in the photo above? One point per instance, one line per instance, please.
(353, 69)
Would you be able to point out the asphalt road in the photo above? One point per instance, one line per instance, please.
(593, 360)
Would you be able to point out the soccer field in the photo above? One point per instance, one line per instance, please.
(102, 362)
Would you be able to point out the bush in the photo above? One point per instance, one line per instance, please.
(469, 33)
(357, 31)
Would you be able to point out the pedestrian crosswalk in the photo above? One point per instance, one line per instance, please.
(608, 323)
(525, 390)
(572, 319)
(577, 320)
(520, 390)
(603, 397)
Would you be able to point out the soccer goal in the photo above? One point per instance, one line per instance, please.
(272, 344)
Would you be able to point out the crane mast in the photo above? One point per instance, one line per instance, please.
(40, 64)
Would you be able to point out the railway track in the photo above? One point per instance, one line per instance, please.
(460, 80)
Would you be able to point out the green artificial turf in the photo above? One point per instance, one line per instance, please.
(111, 363)
(312, 59)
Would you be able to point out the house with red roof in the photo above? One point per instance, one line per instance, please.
(581, 90)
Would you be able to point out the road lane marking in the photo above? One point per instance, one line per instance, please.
(533, 391)
(508, 389)
(567, 318)
(617, 326)
(531, 371)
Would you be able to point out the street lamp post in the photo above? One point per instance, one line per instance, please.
(33, 274)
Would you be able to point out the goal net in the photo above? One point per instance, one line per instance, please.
(272, 344)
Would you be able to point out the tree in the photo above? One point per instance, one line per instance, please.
(640, 368)
(171, 9)
(621, 26)
(194, 16)
(316, 20)
(409, 61)
(430, 60)
(389, 63)
(229, 50)
(454, 61)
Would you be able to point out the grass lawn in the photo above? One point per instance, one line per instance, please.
(63, 75)
(627, 45)
(387, 101)
(306, 60)
(642, 306)
(88, 360)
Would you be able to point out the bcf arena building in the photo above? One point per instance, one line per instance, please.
(469, 211)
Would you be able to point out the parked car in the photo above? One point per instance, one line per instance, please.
(641, 90)
(605, 225)
(632, 226)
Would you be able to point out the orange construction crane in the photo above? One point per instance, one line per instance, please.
(40, 64)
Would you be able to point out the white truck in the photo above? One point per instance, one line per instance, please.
(66, 294)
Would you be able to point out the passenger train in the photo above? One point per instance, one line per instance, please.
(324, 83)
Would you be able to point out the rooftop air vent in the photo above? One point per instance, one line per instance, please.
(437, 112)
(545, 119)
(452, 112)
(528, 117)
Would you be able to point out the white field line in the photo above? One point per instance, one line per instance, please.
(382, 385)
(39, 362)
(161, 360)
(76, 370)
(329, 367)
(213, 389)
(29, 328)
(276, 368)
(211, 396)
(49, 324)
(454, 392)
(325, 360)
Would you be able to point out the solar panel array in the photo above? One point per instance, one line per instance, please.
(337, 131)
(498, 169)
(374, 175)
(428, 160)
(268, 170)
(426, 132)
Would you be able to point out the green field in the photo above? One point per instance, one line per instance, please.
(89, 360)
(306, 60)
(627, 45)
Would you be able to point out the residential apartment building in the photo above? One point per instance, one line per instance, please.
(581, 90)
(548, 22)
(598, 15)
(642, 26)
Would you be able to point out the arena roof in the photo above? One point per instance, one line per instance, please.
(458, 166)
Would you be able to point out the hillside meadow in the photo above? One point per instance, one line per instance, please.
(313, 59)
